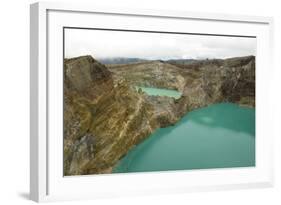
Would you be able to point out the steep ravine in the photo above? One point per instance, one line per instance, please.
(105, 116)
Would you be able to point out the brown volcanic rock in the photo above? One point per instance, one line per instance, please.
(202, 82)
(86, 76)
(104, 115)
(150, 74)
(122, 119)
(101, 126)
(232, 80)
(239, 81)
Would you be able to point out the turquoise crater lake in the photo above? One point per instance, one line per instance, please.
(218, 136)
(160, 92)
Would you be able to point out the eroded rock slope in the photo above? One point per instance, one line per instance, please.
(105, 116)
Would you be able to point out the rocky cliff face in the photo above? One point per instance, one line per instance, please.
(239, 81)
(102, 119)
(104, 115)
(150, 74)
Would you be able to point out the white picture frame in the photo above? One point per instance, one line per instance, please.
(47, 182)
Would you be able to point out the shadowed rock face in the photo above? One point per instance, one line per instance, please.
(86, 76)
(104, 115)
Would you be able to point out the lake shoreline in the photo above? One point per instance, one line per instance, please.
(247, 138)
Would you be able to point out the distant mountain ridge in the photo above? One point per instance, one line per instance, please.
(182, 61)
(124, 60)
(121, 60)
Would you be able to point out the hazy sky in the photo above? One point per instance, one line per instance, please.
(110, 44)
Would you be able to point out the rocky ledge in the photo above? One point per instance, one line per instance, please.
(105, 116)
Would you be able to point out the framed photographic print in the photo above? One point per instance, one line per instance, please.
(128, 101)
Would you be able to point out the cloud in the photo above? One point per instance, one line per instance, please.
(110, 44)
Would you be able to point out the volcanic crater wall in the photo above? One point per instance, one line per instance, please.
(105, 116)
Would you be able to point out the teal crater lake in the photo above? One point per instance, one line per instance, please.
(160, 92)
(218, 136)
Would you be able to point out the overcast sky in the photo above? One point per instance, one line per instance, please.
(110, 44)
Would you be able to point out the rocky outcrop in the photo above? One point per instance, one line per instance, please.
(239, 81)
(202, 82)
(105, 116)
(102, 120)
(86, 76)
(150, 74)
(230, 80)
